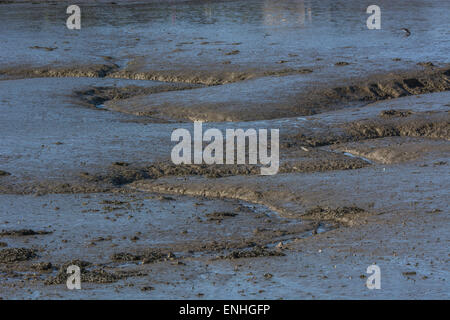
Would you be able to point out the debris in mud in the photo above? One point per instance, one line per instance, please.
(344, 215)
(254, 253)
(22, 233)
(16, 254)
(149, 256)
(395, 113)
(219, 216)
(4, 173)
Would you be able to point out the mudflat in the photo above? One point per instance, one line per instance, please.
(86, 176)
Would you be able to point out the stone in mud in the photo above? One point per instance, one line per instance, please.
(16, 255)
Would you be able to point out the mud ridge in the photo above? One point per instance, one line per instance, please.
(95, 96)
(427, 125)
(208, 78)
(93, 71)
(119, 175)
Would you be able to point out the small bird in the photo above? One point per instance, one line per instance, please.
(407, 32)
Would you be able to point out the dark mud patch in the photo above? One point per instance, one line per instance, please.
(146, 257)
(219, 216)
(4, 173)
(23, 233)
(42, 266)
(16, 255)
(44, 48)
(39, 188)
(256, 252)
(395, 113)
(341, 215)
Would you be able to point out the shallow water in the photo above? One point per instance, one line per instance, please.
(264, 32)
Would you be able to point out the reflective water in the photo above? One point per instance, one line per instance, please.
(174, 34)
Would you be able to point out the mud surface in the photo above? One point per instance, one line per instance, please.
(86, 177)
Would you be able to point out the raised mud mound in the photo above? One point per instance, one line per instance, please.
(90, 274)
(342, 215)
(16, 255)
(149, 256)
(432, 126)
(254, 253)
(393, 86)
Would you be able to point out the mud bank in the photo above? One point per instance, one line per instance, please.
(297, 100)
